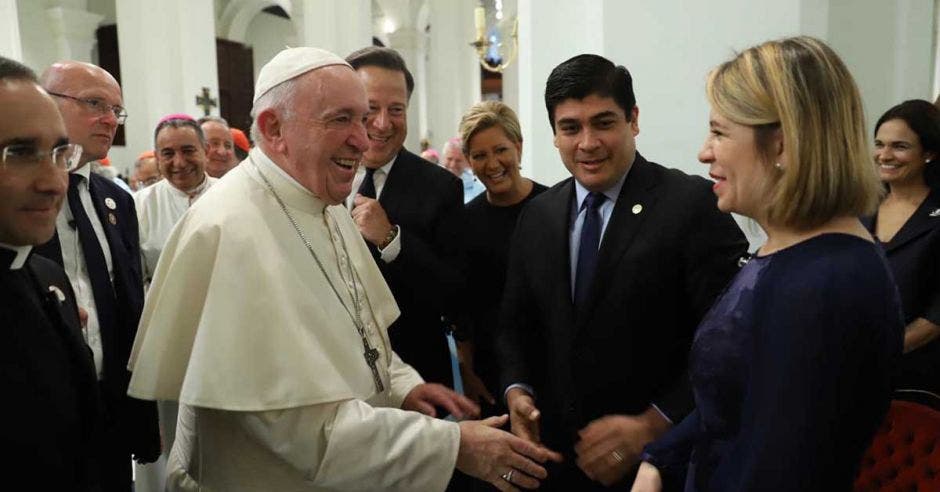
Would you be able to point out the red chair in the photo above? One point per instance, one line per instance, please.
(905, 452)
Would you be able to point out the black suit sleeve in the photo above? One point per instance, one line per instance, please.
(513, 330)
(711, 252)
(435, 266)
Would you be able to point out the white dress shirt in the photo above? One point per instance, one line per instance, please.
(73, 262)
(391, 251)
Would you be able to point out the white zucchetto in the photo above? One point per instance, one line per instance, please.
(290, 63)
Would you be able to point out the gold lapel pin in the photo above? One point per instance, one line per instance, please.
(637, 209)
(112, 219)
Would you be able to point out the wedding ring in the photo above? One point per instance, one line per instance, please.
(617, 456)
(507, 476)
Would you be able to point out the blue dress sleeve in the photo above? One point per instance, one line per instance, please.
(671, 452)
(826, 339)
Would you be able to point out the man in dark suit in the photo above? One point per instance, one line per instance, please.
(47, 375)
(409, 211)
(610, 271)
(97, 243)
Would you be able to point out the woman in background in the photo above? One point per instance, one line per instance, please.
(907, 142)
(492, 142)
(791, 367)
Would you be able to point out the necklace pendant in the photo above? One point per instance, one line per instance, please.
(371, 355)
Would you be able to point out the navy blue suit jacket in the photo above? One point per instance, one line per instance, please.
(133, 419)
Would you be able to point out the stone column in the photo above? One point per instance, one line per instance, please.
(167, 55)
(453, 68)
(407, 42)
(340, 27)
(73, 30)
(10, 46)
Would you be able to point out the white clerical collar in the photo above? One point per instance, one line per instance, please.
(266, 164)
(611, 193)
(22, 253)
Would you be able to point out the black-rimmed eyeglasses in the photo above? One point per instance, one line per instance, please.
(23, 156)
(98, 106)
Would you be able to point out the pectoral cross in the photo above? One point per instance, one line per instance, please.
(372, 356)
(205, 102)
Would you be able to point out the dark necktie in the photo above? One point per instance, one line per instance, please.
(95, 262)
(587, 251)
(367, 188)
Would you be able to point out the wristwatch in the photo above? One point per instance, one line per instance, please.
(392, 234)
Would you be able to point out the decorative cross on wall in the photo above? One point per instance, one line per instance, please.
(205, 102)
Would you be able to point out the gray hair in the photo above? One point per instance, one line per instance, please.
(213, 119)
(278, 98)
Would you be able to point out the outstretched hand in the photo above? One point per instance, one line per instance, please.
(500, 458)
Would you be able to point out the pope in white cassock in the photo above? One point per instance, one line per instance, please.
(266, 319)
(180, 150)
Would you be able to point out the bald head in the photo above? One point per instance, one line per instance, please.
(89, 99)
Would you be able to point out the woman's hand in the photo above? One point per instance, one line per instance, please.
(647, 479)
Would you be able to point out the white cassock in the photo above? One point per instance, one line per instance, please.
(159, 207)
(243, 329)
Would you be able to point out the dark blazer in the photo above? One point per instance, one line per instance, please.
(659, 269)
(914, 256)
(426, 202)
(47, 377)
(132, 422)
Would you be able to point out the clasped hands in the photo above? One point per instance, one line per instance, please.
(608, 448)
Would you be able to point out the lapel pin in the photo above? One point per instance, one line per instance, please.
(637, 209)
(109, 202)
(112, 219)
(58, 293)
(935, 213)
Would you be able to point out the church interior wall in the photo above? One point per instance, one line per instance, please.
(669, 46)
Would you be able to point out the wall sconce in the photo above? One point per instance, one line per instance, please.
(482, 44)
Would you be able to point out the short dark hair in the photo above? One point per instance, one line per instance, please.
(14, 70)
(377, 56)
(922, 117)
(585, 75)
(179, 123)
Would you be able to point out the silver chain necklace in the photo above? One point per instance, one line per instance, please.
(370, 353)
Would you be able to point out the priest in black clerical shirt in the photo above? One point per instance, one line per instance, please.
(47, 376)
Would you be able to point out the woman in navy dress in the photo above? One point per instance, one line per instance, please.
(791, 367)
(907, 144)
(492, 142)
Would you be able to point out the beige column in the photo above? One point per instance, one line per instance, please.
(168, 55)
(10, 46)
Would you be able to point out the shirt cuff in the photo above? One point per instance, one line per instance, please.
(662, 413)
(391, 251)
(524, 387)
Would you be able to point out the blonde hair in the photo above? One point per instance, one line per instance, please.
(487, 114)
(799, 87)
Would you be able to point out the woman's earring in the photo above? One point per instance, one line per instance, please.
(779, 166)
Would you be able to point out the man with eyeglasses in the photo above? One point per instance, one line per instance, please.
(46, 371)
(97, 243)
